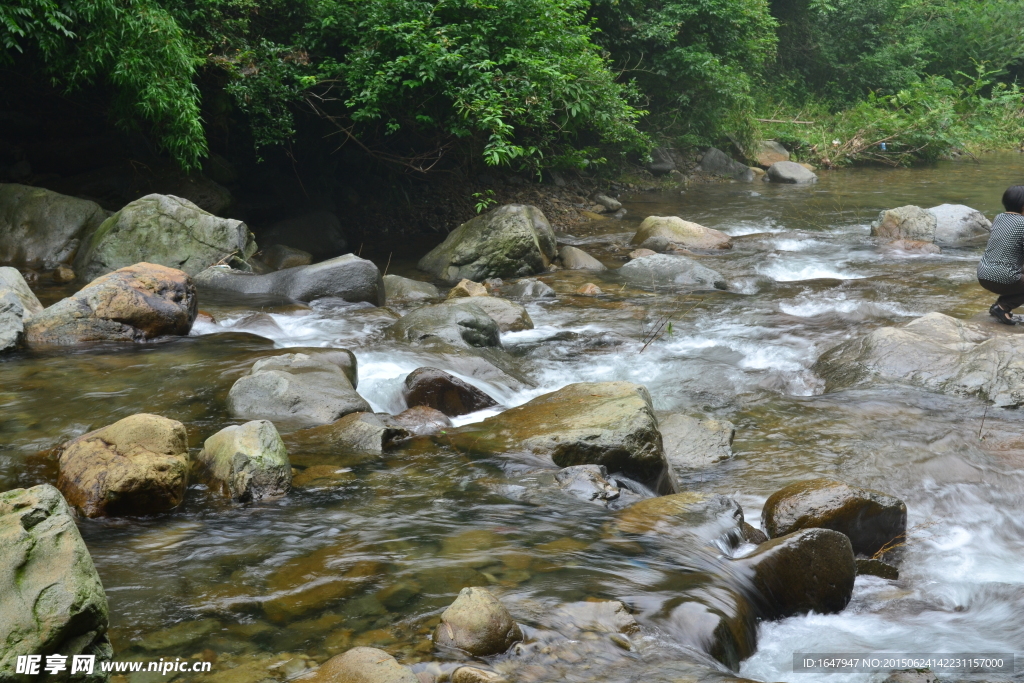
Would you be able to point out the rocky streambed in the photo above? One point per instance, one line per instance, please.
(741, 423)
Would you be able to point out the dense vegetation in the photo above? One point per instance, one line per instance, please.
(424, 84)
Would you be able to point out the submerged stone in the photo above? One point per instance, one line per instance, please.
(364, 665)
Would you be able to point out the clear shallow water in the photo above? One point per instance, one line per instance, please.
(384, 548)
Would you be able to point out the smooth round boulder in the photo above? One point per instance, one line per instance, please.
(136, 466)
(717, 162)
(956, 223)
(905, 223)
(577, 259)
(530, 289)
(466, 325)
(871, 519)
(137, 303)
(38, 226)
(246, 462)
(403, 288)
(478, 624)
(514, 240)
(12, 281)
(364, 665)
(166, 230)
(680, 234)
(444, 392)
(667, 270)
(812, 570)
(508, 315)
(791, 173)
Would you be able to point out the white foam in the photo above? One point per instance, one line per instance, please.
(788, 271)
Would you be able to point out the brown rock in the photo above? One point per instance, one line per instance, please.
(421, 420)
(136, 466)
(467, 288)
(640, 253)
(137, 303)
(477, 623)
(63, 274)
(680, 234)
(589, 289)
(364, 665)
(437, 389)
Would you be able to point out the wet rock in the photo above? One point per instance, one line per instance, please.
(317, 232)
(404, 289)
(905, 222)
(871, 519)
(577, 259)
(136, 303)
(640, 253)
(361, 433)
(478, 624)
(180, 635)
(364, 665)
(136, 466)
(444, 392)
(279, 257)
(591, 423)
(935, 352)
(12, 322)
(345, 277)
(709, 518)
(295, 387)
(531, 289)
(246, 462)
(12, 282)
(608, 202)
(510, 241)
(589, 289)
(471, 674)
(663, 269)
(956, 223)
(810, 570)
(717, 621)
(467, 288)
(771, 152)
(915, 247)
(63, 274)
(877, 568)
(695, 444)
(587, 482)
(752, 534)
(421, 421)
(51, 598)
(317, 580)
(166, 230)
(343, 358)
(679, 234)
(38, 226)
(597, 616)
(508, 315)
(791, 173)
(717, 162)
(465, 325)
(661, 161)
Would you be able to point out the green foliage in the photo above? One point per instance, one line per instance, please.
(484, 200)
(696, 60)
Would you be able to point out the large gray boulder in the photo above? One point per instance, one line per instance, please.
(603, 423)
(717, 162)
(12, 282)
(514, 240)
(956, 223)
(17, 304)
(295, 388)
(790, 173)
(39, 227)
(680, 234)
(872, 520)
(51, 598)
(166, 230)
(136, 303)
(346, 277)
(905, 223)
(670, 270)
(466, 325)
(530, 289)
(246, 462)
(936, 352)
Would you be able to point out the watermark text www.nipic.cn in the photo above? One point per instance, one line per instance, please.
(33, 665)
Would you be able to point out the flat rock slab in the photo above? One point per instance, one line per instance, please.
(935, 352)
(606, 423)
(345, 277)
(51, 598)
(692, 444)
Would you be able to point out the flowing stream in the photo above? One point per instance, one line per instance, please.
(410, 529)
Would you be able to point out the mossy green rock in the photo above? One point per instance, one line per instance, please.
(39, 226)
(514, 240)
(871, 519)
(478, 624)
(246, 462)
(166, 230)
(51, 598)
(590, 423)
